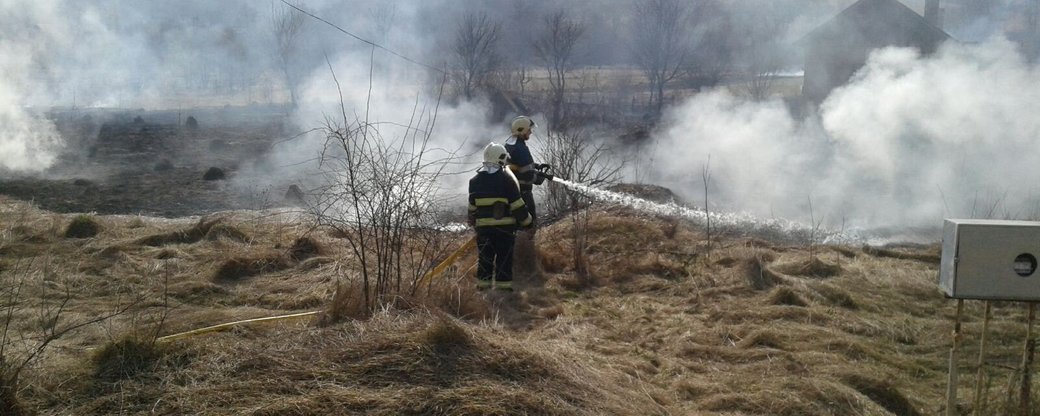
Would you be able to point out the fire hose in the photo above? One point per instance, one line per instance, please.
(229, 325)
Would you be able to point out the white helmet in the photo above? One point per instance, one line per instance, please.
(522, 124)
(495, 153)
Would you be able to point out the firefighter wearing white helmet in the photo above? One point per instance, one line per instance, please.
(522, 163)
(496, 210)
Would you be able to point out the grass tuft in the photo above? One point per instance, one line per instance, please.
(348, 302)
(238, 268)
(786, 296)
(837, 296)
(445, 336)
(304, 248)
(219, 231)
(813, 267)
(883, 393)
(125, 358)
(762, 338)
(758, 276)
(186, 236)
(83, 226)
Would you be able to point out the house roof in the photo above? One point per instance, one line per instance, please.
(874, 20)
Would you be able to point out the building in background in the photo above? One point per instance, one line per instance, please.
(840, 47)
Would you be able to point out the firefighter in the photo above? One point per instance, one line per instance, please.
(497, 210)
(522, 163)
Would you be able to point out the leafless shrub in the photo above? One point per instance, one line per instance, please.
(575, 157)
(377, 195)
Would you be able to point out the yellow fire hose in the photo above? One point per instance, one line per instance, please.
(229, 325)
(437, 271)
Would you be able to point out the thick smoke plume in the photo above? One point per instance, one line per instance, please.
(909, 141)
(28, 142)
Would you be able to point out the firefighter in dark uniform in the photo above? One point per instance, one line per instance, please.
(521, 162)
(497, 210)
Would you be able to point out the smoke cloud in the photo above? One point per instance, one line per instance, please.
(909, 141)
(28, 142)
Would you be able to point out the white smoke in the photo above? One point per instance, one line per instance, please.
(28, 142)
(403, 101)
(908, 141)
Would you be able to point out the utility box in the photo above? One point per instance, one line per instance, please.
(990, 259)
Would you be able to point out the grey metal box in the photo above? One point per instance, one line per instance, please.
(990, 259)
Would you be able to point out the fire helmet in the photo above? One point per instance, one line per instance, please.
(522, 124)
(495, 153)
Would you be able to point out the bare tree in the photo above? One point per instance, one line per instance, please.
(661, 44)
(287, 25)
(760, 50)
(714, 43)
(476, 40)
(555, 48)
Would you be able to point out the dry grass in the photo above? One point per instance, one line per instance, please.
(668, 328)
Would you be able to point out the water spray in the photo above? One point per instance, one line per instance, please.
(739, 221)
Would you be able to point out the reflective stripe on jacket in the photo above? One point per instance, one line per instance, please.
(494, 201)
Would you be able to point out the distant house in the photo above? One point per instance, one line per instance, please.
(839, 48)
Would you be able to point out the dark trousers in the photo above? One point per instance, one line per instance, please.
(495, 250)
(528, 197)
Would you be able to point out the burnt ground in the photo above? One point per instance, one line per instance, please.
(153, 162)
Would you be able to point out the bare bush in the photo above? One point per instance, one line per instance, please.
(575, 157)
(377, 194)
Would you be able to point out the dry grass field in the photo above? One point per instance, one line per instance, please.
(665, 325)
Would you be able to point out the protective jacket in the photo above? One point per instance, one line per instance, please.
(521, 162)
(495, 201)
